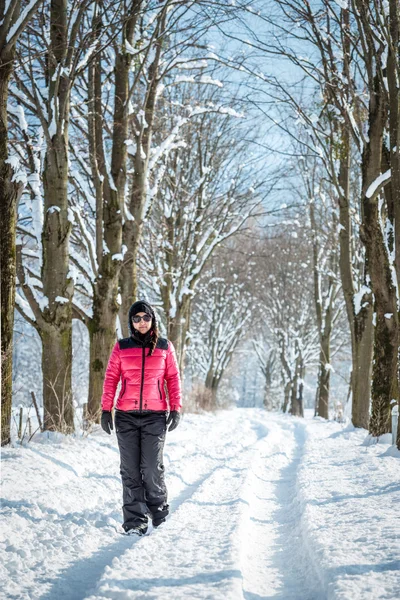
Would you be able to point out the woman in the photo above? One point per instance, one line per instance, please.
(145, 362)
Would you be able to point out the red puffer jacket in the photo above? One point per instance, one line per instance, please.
(142, 376)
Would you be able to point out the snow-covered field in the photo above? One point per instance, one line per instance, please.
(263, 506)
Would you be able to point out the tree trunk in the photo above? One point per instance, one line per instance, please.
(132, 229)
(128, 281)
(398, 430)
(58, 286)
(393, 76)
(324, 379)
(385, 364)
(286, 396)
(362, 348)
(294, 404)
(8, 208)
(177, 328)
(268, 371)
(102, 326)
(211, 384)
(360, 324)
(102, 337)
(296, 400)
(57, 390)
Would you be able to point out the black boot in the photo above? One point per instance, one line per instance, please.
(160, 515)
(138, 530)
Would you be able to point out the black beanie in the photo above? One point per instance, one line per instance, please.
(140, 306)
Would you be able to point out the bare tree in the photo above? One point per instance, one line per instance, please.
(178, 46)
(14, 17)
(335, 38)
(107, 178)
(223, 310)
(207, 197)
(66, 54)
(325, 261)
(285, 292)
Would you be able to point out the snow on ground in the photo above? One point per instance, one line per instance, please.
(264, 505)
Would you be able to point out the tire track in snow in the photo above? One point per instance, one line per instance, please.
(273, 560)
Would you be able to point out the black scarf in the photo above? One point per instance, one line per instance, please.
(143, 338)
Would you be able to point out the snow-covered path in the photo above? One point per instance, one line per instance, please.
(263, 506)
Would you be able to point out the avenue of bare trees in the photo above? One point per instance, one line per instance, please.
(238, 165)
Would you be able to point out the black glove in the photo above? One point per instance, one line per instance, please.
(174, 417)
(106, 421)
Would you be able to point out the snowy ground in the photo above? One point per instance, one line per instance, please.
(263, 506)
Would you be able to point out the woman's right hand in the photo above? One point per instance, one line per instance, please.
(107, 421)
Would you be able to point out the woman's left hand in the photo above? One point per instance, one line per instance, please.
(174, 417)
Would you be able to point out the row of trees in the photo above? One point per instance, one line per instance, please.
(107, 100)
(132, 170)
(340, 106)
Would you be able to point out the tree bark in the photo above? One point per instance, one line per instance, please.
(132, 229)
(360, 324)
(57, 390)
(296, 397)
(102, 326)
(58, 286)
(177, 328)
(393, 77)
(8, 208)
(362, 349)
(324, 322)
(212, 384)
(385, 364)
(323, 379)
(286, 396)
(398, 431)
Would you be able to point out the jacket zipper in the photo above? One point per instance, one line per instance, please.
(142, 382)
(159, 389)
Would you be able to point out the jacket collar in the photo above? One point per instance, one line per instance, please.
(143, 338)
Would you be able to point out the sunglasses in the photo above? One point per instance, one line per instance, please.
(137, 318)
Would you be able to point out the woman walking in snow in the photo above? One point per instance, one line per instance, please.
(144, 361)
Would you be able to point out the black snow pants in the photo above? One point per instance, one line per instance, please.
(141, 438)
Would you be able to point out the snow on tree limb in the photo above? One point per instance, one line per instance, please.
(377, 185)
(22, 21)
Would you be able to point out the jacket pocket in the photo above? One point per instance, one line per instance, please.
(123, 388)
(159, 389)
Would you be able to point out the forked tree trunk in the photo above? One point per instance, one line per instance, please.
(58, 285)
(58, 288)
(132, 229)
(111, 201)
